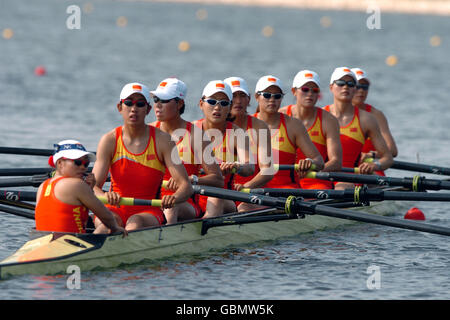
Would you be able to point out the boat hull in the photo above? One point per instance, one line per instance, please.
(53, 253)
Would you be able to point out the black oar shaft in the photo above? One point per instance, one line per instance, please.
(26, 151)
(34, 181)
(17, 212)
(403, 165)
(13, 195)
(416, 183)
(24, 171)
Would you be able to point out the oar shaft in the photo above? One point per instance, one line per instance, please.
(403, 165)
(26, 151)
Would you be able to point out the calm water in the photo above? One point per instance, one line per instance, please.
(86, 69)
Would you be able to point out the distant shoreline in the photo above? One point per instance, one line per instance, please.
(433, 7)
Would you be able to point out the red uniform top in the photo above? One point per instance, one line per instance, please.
(187, 156)
(352, 140)
(52, 214)
(253, 138)
(136, 175)
(368, 145)
(223, 153)
(283, 152)
(316, 135)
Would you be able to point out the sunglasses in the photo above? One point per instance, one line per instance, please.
(156, 100)
(307, 89)
(130, 103)
(268, 95)
(365, 87)
(342, 83)
(79, 162)
(214, 102)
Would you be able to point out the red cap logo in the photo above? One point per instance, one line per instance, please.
(235, 83)
(220, 85)
(137, 87)
(308, 75)
(163, 84)
(271, 79)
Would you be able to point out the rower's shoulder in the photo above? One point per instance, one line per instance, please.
(283, 109)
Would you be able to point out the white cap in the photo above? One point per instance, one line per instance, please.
(237, 84)
(305, 76)
(71, 149)
(267, 81)
(340, 72)
(360, 74)
(170, 88)
(217, 86)
(135, 87)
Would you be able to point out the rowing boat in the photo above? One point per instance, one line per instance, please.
(52, 252)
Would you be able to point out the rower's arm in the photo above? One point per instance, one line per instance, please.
(213, 175)
(265, 161)
(102, 164)
(385, 160)
(242, 149)
(176, 168)
(330, 126)
(303, 141)
(385, 131)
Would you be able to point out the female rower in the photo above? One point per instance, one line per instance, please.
(288, 134)
(137, 163)
(169, 101)
(259, 138)
(228, 143)
(323, 128)
(355, 126)
(63, 201)
(362, 90)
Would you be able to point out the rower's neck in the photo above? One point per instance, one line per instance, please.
(218, 126)
(241, 120)
(135, 131)
(340, 108)
(305, 113)
(171, 125)
(271, 119)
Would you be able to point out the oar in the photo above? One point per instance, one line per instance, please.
(17, 212)
(296, 208)
(27, 151)
(18, 195)
(24, 171)
(416, 183)
(34, 181)
(357, 195)
(410, 166)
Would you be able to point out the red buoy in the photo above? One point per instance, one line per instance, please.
(414, 214)
(40, 71)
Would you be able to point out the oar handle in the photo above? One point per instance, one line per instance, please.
(292, 166)
(134, 202)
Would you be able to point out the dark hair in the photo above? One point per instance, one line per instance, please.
(182, 108)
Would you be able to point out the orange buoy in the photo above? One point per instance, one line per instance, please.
(40, 71)
(414, 214)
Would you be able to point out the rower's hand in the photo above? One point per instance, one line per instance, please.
(368, 168)
(113, 198)
(171, 185)
(238, 186)
(229, 167)
(90, 180)
(121, 230)
(367, 155)
(303, 167)
(168, 201)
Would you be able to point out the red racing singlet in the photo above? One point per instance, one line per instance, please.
(352, 140)
(283, 152)
(253, 137)
(368, 146)
(52, 214)
(316, 135)
(136, 175)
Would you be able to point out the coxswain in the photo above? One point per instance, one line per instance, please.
(356, 126)
(137, 155)
(63, 201)
(287, 134)
(323, 127)
(169, 104)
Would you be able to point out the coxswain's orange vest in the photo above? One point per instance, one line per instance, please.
(316, 135)
(52, 214)
(136, 175)
(283, 152)
(352, 140)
